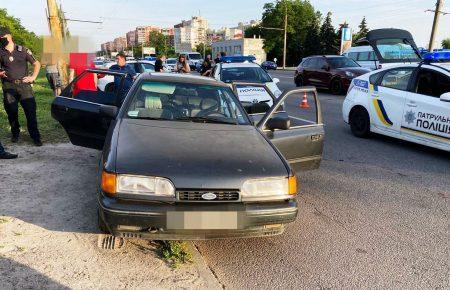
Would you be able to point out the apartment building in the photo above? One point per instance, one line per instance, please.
(120, 44)
(131, 37)
(243, 46)
(143, 32)
(188, 34)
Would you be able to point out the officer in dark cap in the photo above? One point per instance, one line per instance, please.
(16, 82)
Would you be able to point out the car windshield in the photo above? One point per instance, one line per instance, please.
(195, 56)
(181, 102)
(244, 74)
(341, 62)
(171, 61)
(397, 49)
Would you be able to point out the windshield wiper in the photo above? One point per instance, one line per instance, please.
(205, 120)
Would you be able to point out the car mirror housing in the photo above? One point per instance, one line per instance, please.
(276, 80)
(445, 97)
(258, 108)
(278, 122)
(108, 111)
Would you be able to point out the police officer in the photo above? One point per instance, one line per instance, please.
(17, 89)
(123, 67)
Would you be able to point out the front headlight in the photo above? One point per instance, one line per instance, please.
(349, 74)
(143, 185)
(269, 188)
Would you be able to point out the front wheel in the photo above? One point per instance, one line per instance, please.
(299, 82)
(336, 87)
(360, 123)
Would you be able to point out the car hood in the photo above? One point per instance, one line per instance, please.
(356, 70)
(196, 155)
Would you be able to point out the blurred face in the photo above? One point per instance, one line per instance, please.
(121, 61)
(5, 40)
(182, 59)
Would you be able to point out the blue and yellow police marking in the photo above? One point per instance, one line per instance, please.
(425, 134)
(373, 88)
(381, 112)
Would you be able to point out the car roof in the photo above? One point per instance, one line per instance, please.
(239, 64)
(182, 78)
(359, 49)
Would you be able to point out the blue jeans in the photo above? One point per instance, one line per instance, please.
(2, 150)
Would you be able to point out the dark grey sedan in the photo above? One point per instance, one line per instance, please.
(183, 160)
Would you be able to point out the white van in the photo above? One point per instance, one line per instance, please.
(192, 58)
(364, 56)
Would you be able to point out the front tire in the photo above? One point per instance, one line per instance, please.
(360, 122)
(336, 87)
(299, 82)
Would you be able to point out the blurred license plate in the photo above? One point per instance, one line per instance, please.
(179, 220)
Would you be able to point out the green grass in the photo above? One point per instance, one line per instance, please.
(50, 129)
(175, 253)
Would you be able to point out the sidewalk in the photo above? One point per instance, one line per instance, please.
(48, 230)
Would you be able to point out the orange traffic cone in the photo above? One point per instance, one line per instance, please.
(304, 104)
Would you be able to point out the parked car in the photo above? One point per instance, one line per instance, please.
(181, 159)
(248, 72)
(140, 66)
(171, 63)
(193, 58)
(268, 65)
(331, 72)
(364, 56)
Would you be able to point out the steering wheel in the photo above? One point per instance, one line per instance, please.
(211, 114)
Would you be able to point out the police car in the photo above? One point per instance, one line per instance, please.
(405, 101)
(241, 69)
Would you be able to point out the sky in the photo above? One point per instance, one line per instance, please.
(121, 16)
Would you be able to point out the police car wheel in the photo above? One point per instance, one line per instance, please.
(360, 123)
(336, 87)
(101, 224)
(299, 81)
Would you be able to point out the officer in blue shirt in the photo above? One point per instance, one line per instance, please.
(123, 67)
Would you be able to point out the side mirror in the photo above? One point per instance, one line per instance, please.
(278, 122)
(276, 80)
(257, 108)
(445, 97)
(108, 111)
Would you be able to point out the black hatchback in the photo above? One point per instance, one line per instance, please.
(183, 160)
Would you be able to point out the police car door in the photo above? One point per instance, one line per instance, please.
(387, 98)
(426, 116)
(294, 126)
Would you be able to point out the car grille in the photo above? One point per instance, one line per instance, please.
(197, 196)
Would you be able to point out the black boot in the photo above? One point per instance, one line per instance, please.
(7, 155)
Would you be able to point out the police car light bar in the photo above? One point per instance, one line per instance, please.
(439, 56)
(238, 58)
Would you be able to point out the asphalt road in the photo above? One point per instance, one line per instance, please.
(375, 215)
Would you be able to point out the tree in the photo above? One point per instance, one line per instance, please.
(159, 41)
(200, 47)
(363, 30)
(21, 35)
(312, 41)
(300, 16)
(446, 43)
(328, 37)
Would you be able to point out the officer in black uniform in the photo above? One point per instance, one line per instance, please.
(16, 83)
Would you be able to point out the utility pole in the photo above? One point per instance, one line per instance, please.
(437, 13)
(285, 34)
(57, 31)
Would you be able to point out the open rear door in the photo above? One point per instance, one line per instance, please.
(84, 111)
(392, 45)
(301, 141)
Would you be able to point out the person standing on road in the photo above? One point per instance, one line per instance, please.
(159, 63)
(182, 66)
(17, 88)
(123, 67)
(54, 80)
(206, 67)
(6, 155)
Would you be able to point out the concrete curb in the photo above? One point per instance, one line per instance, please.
(204, 271)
